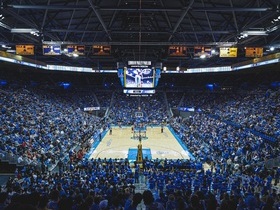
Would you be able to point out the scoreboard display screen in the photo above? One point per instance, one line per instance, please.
(101, 50)
(254, 52)
(139, 74)
(51, 49)
(77, 49)
(25, 49)
(139, 92)
(228, 52)
(139, 77)
(177, 51)
(201, 50)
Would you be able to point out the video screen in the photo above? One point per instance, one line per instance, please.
(139, 77)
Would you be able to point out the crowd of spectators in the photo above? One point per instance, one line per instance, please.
(111, 184)
(125, 109)
(174, 98)
(104, 98)
(222, 141)
(256, 109)
(40, 127)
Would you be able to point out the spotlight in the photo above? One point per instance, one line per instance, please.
(75, 55)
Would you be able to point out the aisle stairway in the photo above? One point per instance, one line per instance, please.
(140, 188)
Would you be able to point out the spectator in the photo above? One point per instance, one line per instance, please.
(149, 201)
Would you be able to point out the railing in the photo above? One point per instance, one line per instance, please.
(111, 104)
(6, 156)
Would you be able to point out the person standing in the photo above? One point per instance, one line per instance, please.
(136, 200)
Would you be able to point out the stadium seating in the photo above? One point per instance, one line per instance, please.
(43, 128)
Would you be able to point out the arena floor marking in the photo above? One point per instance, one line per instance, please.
(162, 145)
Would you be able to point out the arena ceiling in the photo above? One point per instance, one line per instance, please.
(141, 29)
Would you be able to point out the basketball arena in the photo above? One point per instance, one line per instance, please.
(139, 104)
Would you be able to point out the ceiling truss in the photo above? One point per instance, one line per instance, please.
(185, 23)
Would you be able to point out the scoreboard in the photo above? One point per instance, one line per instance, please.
(139, 92)
(51, 50)
(25, 49)
(254, 52)
(177, 51)
(201, 50)
(76, 49)
(101, 50)
(228, 52)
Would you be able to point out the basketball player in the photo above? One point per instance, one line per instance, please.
(138, 78)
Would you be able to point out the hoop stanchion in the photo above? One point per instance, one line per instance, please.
(139, 132)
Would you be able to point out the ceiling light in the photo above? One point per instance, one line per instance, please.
(75, 55)
(24, 30)
(271, 48)
(203, 56)
(254, 33)
(5, 46)
(11, 51)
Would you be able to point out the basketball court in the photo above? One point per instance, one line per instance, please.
(122, 143)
